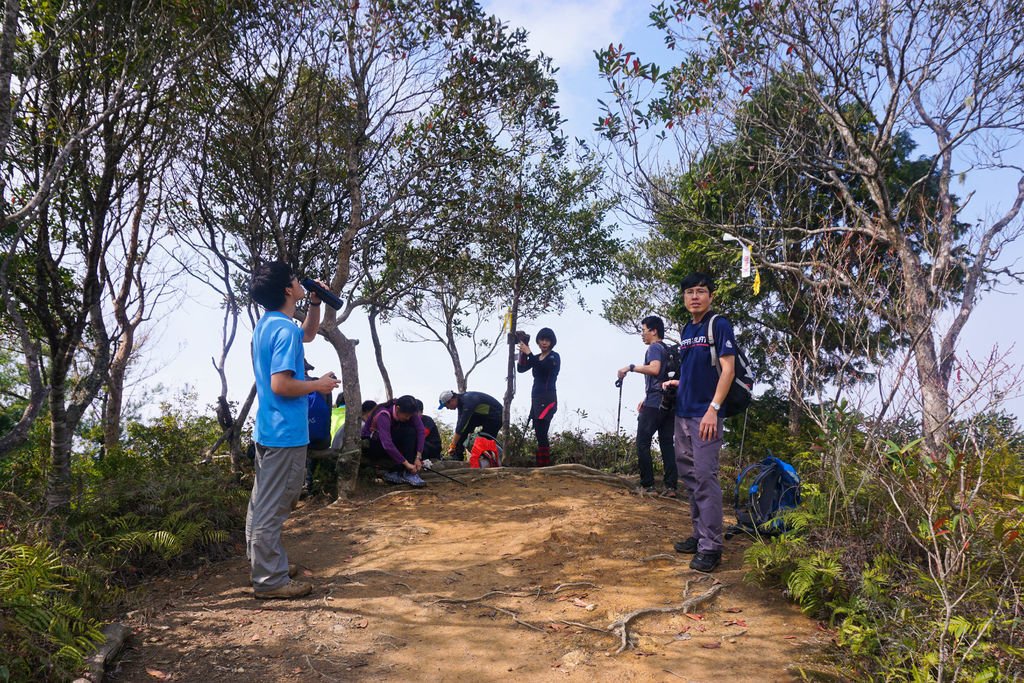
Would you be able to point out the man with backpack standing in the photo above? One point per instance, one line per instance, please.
(701, 389)
(281, 434)
(655, 414)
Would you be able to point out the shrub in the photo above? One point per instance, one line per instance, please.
(917, 561)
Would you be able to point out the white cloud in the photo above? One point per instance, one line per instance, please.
(568, 31)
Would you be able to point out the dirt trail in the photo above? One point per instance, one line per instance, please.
(379, 564)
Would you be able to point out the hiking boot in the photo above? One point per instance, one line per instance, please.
(292, 589)
(645, 490)
(413, 479)
(706, 561)
(669, 493)
(689, 546)
(393, 477)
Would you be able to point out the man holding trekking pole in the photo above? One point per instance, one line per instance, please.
(652, 418)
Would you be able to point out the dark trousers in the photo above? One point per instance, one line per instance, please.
(651, 421)
(490, 424)
(542, 414)
(404, 436)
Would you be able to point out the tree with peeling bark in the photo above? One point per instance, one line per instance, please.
(364, 117)
(739, 186)
(950, 76)
(91, 79)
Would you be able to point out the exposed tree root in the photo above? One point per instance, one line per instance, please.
(466, 601)
(516, 619)
(621, 626)
(515, 594)
(661, 556)
(586, 626)
(577, 471)
(386, 495)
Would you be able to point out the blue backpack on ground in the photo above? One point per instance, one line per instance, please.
(763, 491)
(319, 422)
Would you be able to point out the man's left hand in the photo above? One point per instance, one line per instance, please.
(709, 425)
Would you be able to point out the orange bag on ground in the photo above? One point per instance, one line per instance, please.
(484, 453)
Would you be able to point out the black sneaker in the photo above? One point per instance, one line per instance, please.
(689, 546)
(706, 561)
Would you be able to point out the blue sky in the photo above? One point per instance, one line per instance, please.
(591, 349)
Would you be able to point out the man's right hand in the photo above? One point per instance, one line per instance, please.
(326, 383)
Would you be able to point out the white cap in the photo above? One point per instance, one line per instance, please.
(446, 396)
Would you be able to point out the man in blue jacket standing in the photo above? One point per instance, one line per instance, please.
(698, 428)
(281, 434)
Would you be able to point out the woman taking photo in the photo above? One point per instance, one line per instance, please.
(545, 366)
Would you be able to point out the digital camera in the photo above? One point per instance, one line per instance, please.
(522, 337)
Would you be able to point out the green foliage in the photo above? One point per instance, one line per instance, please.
(604, 451)
(916, 573)
(45, 633)
(764, 427)
(608, 452)
(157, 500)
(151, 504)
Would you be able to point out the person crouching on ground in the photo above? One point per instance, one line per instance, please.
(543, 399)
(701, 391)
(476, 409)
(394, 441)
(431, 437)
(281, 434)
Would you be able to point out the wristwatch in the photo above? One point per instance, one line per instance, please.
(716, 406)
(632, 367)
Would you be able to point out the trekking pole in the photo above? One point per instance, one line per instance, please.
(618, 416)
(428, 468)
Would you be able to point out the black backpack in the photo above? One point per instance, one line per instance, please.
(673, 361)
(741, 392)
(764, 490)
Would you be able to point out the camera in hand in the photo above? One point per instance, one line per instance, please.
(326, 295)
(523, 337)
(668, 398)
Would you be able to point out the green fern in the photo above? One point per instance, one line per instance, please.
(816, 581)
(45, 632)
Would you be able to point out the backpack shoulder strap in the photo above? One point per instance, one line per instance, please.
(711, 344)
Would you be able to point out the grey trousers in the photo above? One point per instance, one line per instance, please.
(278, 482)
(697, 462)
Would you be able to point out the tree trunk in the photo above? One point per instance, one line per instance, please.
(797, 382)
(115, 395)
(349, 367)
(378, 353)
(58, 479)
(935, 410)
(237, 456)
(7, 42)
(453, 353)
(38, 393)
(510, 378)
